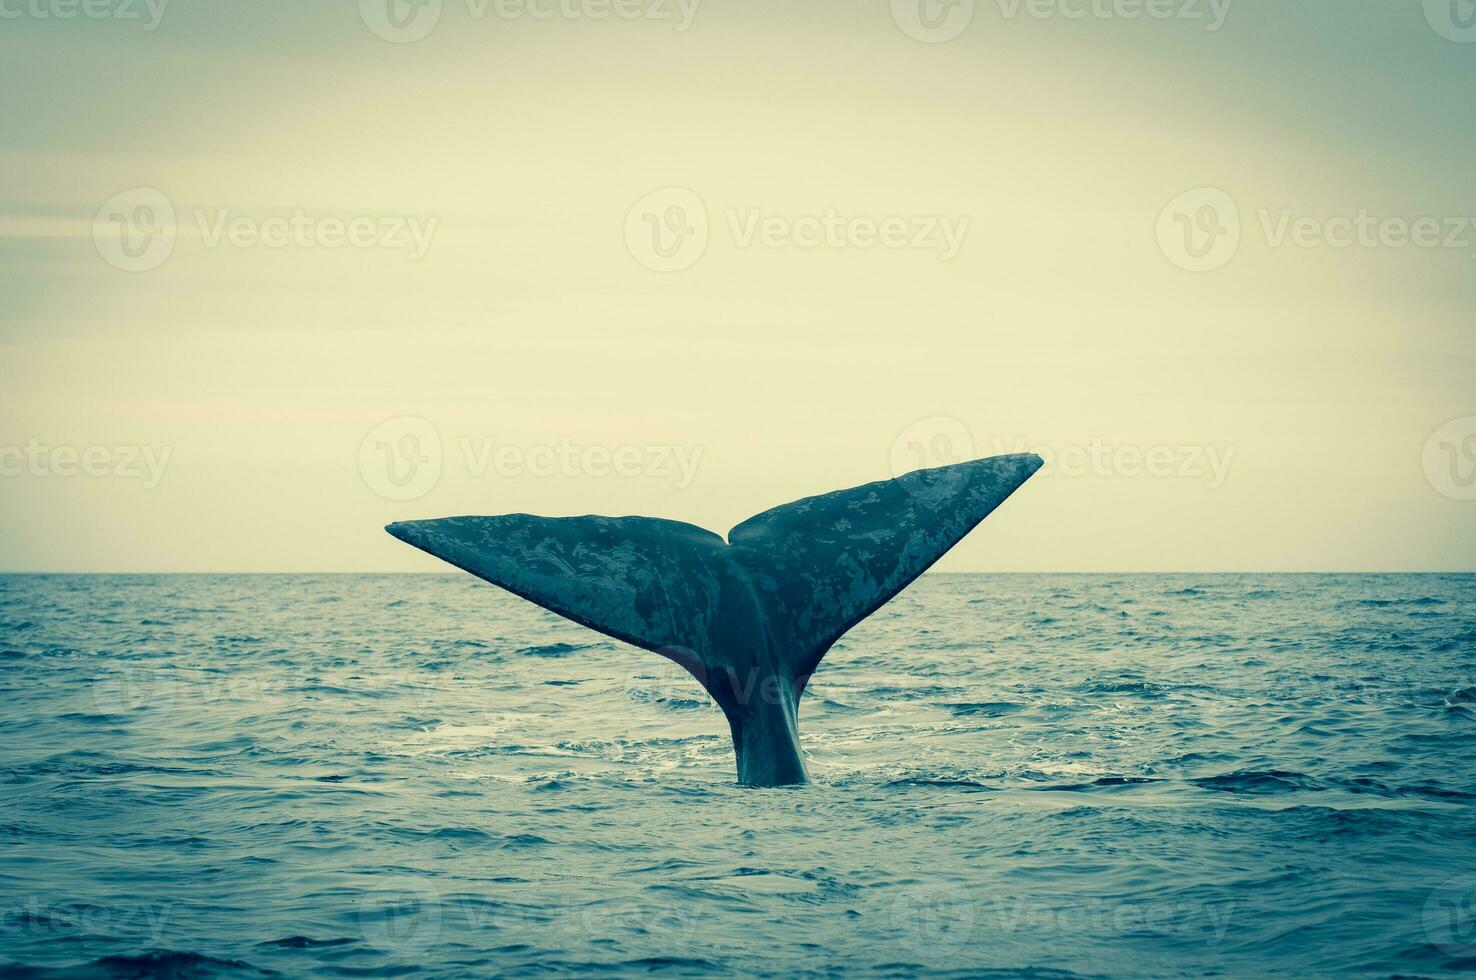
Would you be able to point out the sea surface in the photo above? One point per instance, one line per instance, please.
(1015, 775)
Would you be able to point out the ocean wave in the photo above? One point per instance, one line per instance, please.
(664, 699)
(304, 942)
(160, 964)
(987, 709)
(1036, 779)
(554, 649)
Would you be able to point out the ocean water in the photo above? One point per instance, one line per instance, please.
(1034, 775)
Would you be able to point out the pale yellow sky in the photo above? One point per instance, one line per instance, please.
(259, 393)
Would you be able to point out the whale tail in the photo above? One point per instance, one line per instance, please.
(754, 613)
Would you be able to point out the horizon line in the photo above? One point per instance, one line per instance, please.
(459, 573)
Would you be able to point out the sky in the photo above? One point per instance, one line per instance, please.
(277, 274)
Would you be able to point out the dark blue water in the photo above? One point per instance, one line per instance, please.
(1038, 775)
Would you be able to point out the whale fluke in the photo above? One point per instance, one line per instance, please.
(750, 617)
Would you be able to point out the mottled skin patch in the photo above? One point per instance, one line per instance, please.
(751, 617)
